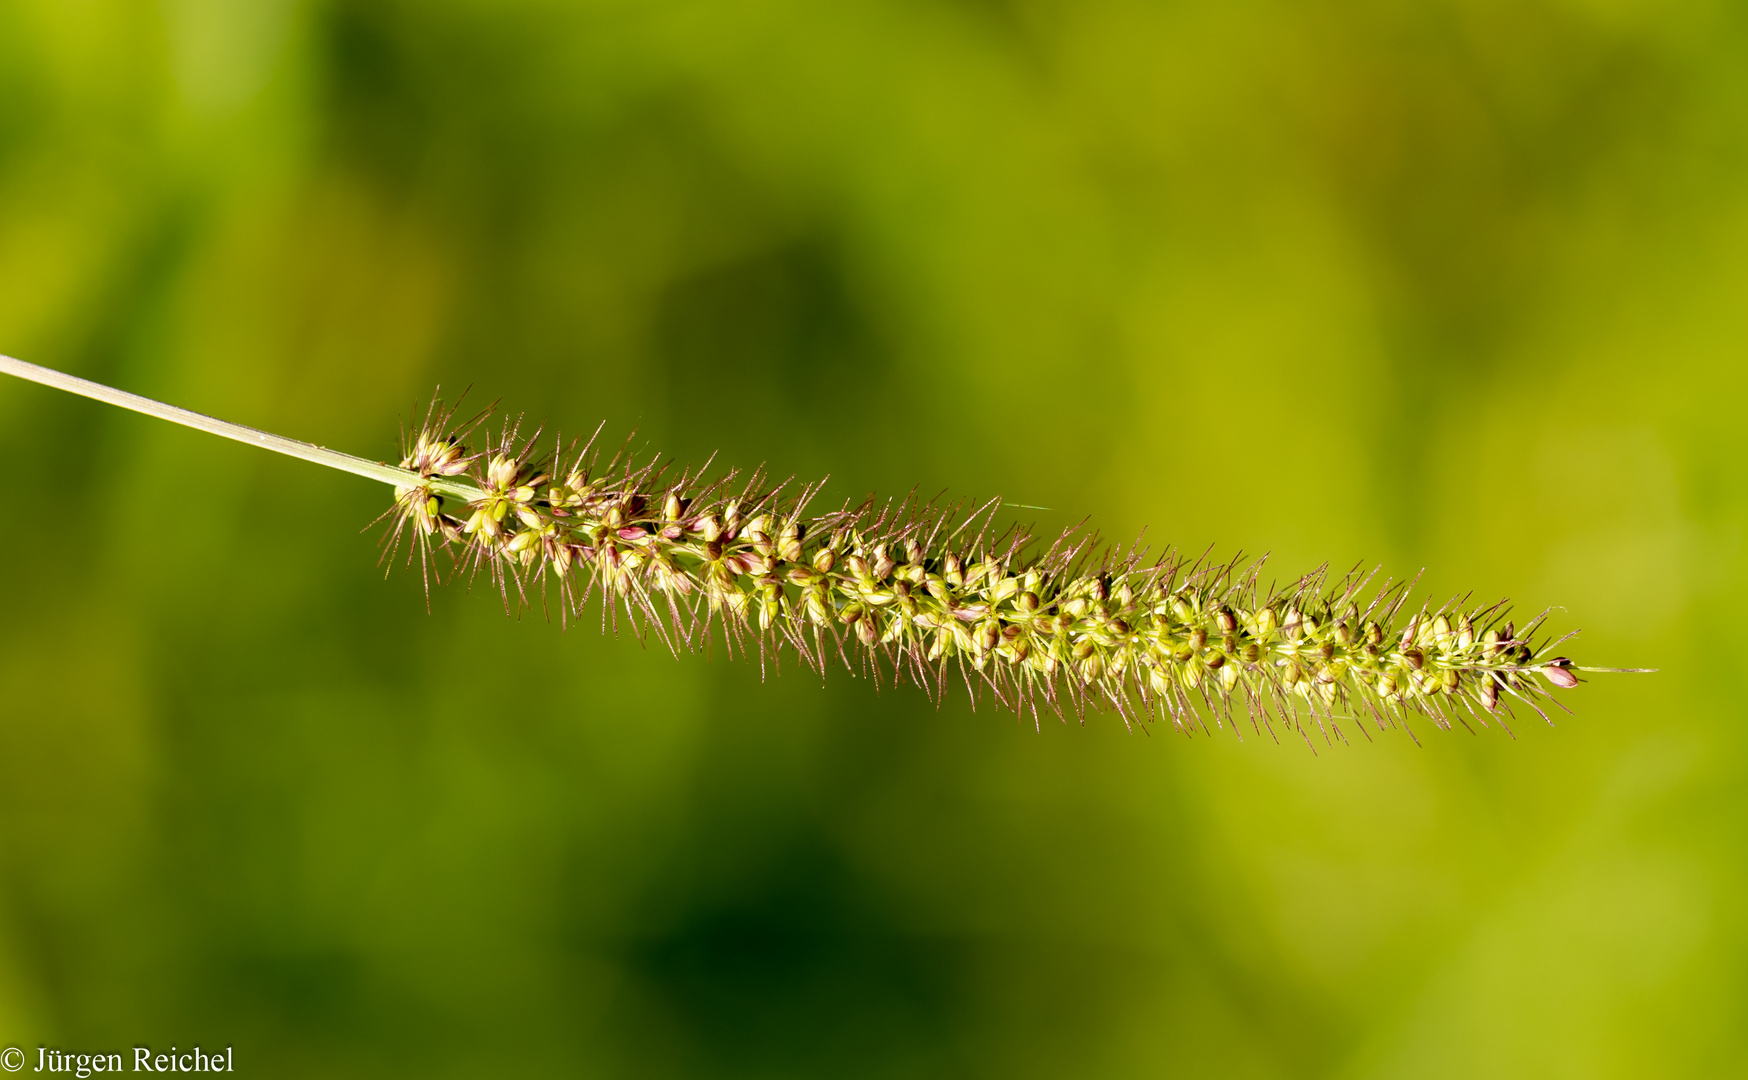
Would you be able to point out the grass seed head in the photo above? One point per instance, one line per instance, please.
(931, 592)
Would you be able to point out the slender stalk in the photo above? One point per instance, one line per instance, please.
(321, 455)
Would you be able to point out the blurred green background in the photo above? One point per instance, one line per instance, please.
(1460, 284)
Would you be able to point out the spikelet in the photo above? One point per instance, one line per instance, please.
(932, 593)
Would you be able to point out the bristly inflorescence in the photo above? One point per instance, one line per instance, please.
(931, 592)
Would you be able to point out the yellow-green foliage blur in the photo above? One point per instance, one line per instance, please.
(1460, 284)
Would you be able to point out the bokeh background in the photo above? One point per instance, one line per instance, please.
(1460, 284)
